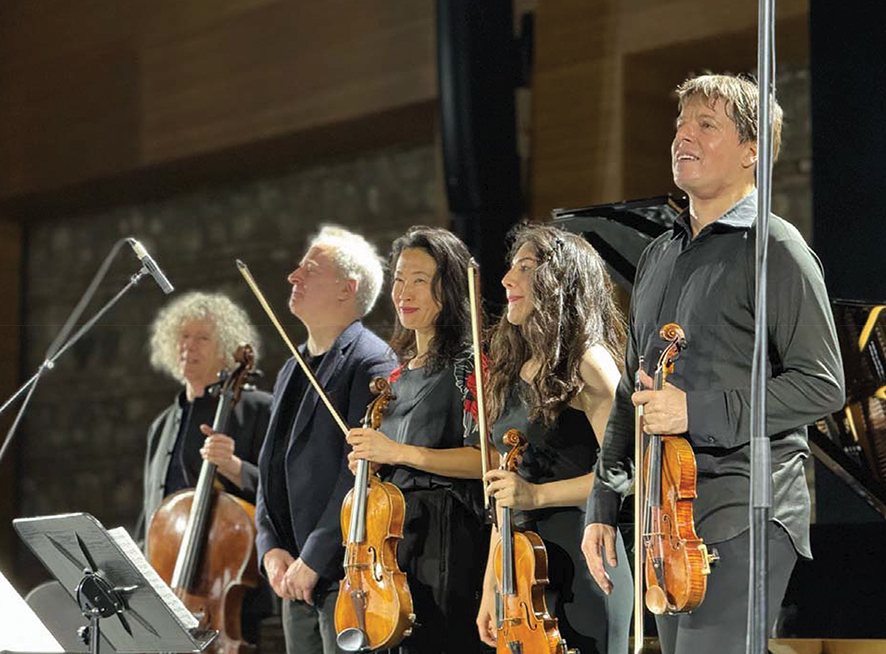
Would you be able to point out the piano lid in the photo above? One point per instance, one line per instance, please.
(621, 231)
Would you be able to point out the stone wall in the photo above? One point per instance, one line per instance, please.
(83, 441)
(792, 173)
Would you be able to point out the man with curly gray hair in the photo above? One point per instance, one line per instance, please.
(303, 467)
(193, 338)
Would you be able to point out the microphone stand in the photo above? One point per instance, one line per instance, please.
(49, 363)
(761, 464)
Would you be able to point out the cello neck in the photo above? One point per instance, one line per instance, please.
(194, 537)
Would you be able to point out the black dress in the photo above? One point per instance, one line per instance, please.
(589, 620)
(444, 545)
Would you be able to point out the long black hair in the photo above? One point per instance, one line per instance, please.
(452, 328)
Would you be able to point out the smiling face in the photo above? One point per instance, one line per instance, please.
(707, 159)
(199, 357)
(518, 284)
(317, 286)
(412, 290)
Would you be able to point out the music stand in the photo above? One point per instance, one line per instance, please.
(108, 577)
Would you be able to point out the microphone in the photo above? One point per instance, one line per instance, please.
(151, 266)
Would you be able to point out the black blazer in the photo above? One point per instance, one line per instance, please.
(317, 470)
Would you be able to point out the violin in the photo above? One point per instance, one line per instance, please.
(677, 562)
(201, 541)
(373, 609)
(521, 573)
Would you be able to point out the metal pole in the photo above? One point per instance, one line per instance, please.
(761, 480)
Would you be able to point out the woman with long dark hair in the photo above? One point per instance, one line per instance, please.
(553, 374)
(425, 444)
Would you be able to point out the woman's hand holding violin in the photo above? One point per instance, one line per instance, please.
(352, 464)
(374, 446)
(511, 490)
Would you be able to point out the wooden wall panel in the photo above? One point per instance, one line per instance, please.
(92, 90)
(281, 68)
(592, 106)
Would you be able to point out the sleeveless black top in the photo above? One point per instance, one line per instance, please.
(567, 449)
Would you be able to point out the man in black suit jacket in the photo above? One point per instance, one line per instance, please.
(303, 465)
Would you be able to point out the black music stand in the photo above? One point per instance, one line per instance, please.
(621, 231)
(108, 580)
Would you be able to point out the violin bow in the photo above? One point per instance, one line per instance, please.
(473, 286)
(244, 270)
(639, 518)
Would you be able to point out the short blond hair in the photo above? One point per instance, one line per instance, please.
(230, 324)
(740, 95)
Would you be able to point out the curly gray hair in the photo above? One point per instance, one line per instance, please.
(232, 328)
(356, 258)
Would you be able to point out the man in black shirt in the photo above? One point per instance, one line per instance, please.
(701, 275)
(303, 465)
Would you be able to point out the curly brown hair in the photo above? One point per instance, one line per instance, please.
(573, 310)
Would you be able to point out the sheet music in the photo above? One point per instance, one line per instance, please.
(134, 554)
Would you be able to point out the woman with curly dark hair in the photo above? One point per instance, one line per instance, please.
(425, 445)
(553, 375)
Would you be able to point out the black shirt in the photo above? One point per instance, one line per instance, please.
(184, 467)
(707, 286)
(564, 450)
(430, 410)
(278, 489)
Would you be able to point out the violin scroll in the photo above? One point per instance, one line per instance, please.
(375, 412)
(676, 338)
(517, 442)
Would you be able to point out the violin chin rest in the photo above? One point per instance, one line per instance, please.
(656, 600)
(352, 640)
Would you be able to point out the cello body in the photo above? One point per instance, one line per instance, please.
(228, 565)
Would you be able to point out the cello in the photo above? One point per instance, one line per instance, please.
(677, 562)
(521, 573)
(373, 609)
(370, 623)
(202, 541)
